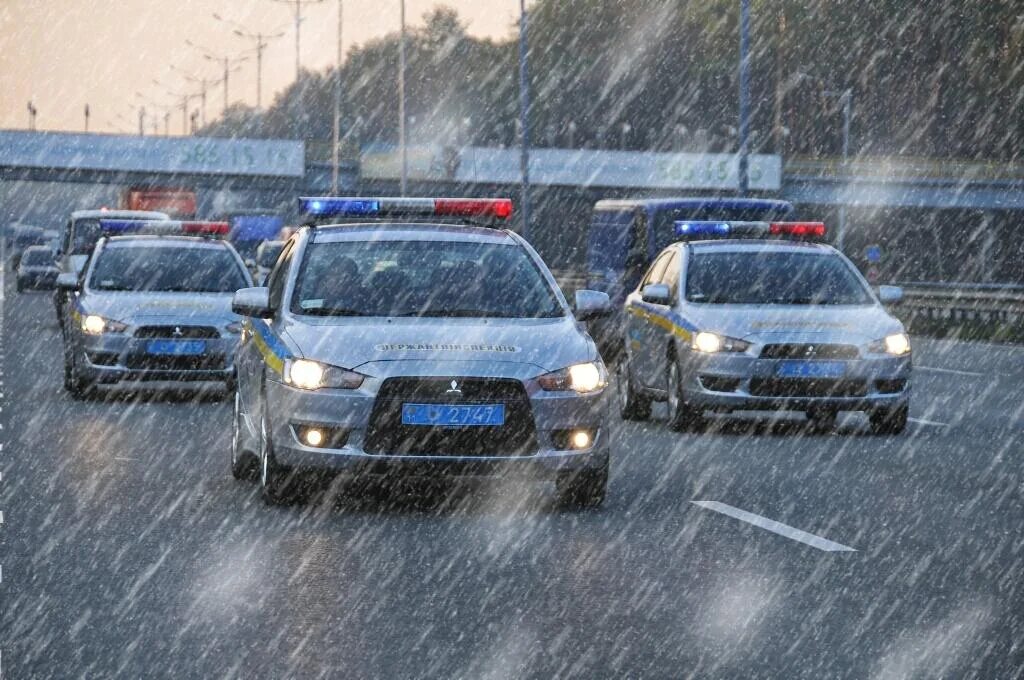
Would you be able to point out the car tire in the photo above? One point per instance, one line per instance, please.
(243, 463)
(682, 417)
(276, 485)
(583, 488)
(632, 405)
(77, 386)
(890, 421)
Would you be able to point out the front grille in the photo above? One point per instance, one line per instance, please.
(716, 383)
(156, 362)
(808, 350)
(177, 332)
(807, 387)
(387, 434)
(102, 358)
(892, 386)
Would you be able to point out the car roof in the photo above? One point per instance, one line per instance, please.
(413, 231)
(161, 241)
(759, 246)
(696, 203)
(120, 214)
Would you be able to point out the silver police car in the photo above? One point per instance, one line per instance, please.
(153, 308)
(422, 348)
(755, 316)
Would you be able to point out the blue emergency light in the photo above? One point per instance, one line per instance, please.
(698, 230)
(348, 206)
(189, 228)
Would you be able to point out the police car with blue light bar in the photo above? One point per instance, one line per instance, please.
(154, 307)
(427, 348)
(743, 316)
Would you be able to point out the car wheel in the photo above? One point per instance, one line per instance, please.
(275, 479)
(77, 386)
(582, 488)
(890, 421)
(243, 466)
(632, 406)
(681, 416)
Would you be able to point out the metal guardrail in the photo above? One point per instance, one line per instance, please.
(984, 308)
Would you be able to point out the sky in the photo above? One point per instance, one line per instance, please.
(64, 54)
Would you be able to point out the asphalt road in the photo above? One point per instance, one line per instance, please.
(127, 550)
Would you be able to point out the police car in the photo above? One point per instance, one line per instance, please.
(405, 345)
(153, 307)
(758, 315)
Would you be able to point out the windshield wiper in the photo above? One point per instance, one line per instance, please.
(333, 311)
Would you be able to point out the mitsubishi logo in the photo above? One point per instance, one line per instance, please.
(810, 351)
(177, 332)
(454, 388)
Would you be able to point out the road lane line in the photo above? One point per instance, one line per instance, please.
(922, 421)
(775, 527)
(950, 371)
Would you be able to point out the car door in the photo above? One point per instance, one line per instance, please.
(662, 334)
(643, 326)
(251, 373)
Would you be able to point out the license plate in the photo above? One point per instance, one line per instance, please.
(811, 369)
(453, 415)
(176, 347)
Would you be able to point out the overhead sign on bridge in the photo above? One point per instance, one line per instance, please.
(577, 167)
(172, 155)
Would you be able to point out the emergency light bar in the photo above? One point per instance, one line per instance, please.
(344, 206)
(701, 230)
(162, 227)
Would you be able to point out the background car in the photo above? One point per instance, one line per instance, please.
(37, 269)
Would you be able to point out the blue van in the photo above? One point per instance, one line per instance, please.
(626, 234)
(250, 228)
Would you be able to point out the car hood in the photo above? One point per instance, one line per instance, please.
(522, 348)
(154, 308)
(775, 323)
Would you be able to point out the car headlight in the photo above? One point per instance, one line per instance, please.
(710, 343)
(93, 324)
(896, 344)
(312, 375)
(581, 378)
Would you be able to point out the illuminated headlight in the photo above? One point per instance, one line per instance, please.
(710, 343)
(312, 375)
(93, 324)
(581, 378)
(897, 344)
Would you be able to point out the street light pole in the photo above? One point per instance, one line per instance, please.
(86, 117)
(524, 122)
(335, 140)
(744, 79)
(297, 4)
(845, 98)
(260, 41)
(401, 101)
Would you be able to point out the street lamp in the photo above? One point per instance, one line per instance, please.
(260, 42)
(336, 127)
(744, 98)
(524, 116)
(230, 64)
(297, 4)
(202, 82)
(403, 184)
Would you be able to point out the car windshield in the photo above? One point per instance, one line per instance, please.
(766, 277)
(422, 278)
(164, 269)
(37, 258)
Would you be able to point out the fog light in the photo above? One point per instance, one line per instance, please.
(313, 436)
(581, 439)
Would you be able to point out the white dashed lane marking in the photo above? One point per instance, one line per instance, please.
(949, 371)
(779, 528)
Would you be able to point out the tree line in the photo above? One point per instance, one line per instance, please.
(928, 78)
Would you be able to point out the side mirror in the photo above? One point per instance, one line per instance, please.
(252, 302)
(890, 295)
(592, 304)
(68, 281)
(656, 294)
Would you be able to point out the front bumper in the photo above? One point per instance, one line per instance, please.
(725, 382)
(350, 411)
(112, 358)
